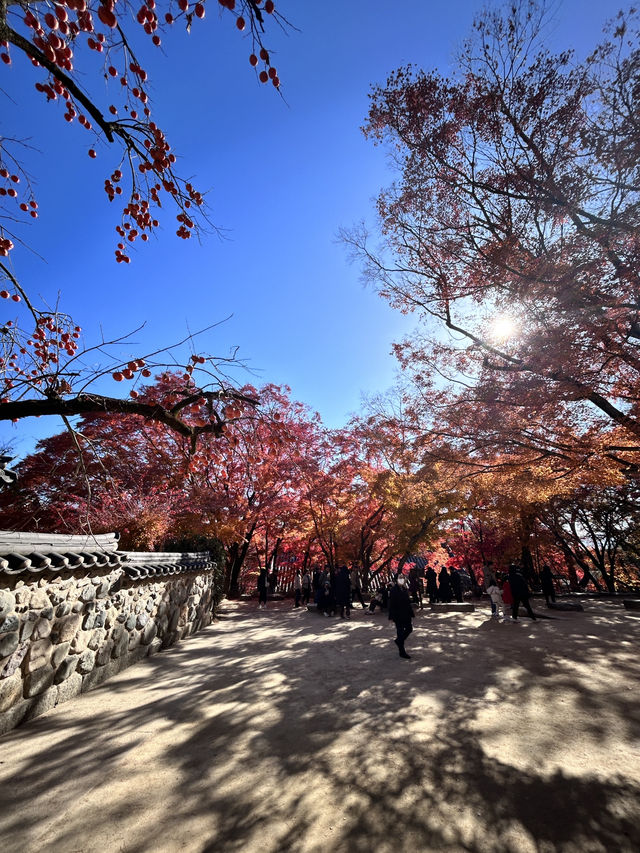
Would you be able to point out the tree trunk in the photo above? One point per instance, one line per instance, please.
(571, 569)
(237, 555)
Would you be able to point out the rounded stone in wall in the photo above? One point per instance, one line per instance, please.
(38, 654)
(103, 590)
(86, 661)
(38, 681)
(9, 623)
(65, 628)
(121, 646)
(22, 596)
(149, 633)
(8, 643)
(63, 609)
(10, 691)
(39, 600)
(97, 638)
(41, 629)
(80, 642)
(7, 603)
(103, 654)
(59, 653)
(66, 668)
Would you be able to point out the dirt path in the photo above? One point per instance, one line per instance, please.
(280, 730)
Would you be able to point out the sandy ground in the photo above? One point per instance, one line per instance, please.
(281, 730)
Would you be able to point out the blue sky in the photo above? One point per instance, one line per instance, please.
(283, 175)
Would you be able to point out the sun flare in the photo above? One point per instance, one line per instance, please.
(503, 328)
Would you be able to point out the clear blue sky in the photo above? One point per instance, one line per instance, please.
(283, 177)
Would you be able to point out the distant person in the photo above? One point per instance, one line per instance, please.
(326, 601)
(432, 585)
(546, 579)
(507, 595)
(356, 586)
(415, 587)
(323, 577)
(490, 579)
(519, 591)
(497, 603)
(273, 581)
(401, 613)
(456, 584)
(376, 599)
(262, 588)
(343, 591)
(444, 585)
(306, 586)
(297, 587)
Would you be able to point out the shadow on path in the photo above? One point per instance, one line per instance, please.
(279, 730)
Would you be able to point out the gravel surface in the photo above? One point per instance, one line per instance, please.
(281, 730)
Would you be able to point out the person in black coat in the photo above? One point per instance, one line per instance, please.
(444, 585)
(343, 591)
(432, 585)
(401, 612)
(546, 579)
(262, 588)
(456, 584)
(519, 591)
(326, 601)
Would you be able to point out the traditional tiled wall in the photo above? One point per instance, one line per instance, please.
(61, 636)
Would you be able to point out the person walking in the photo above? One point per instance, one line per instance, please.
(297, 587)
(262, 588)
(432, 585)
(415, 587)
(490, 580)
(306, 587)
(356, 586)
(456, 585)
(546, 579)
(444, 585)
(520, 592)
(401, 612)
(497, 603)
(343, 591)
(326, 602)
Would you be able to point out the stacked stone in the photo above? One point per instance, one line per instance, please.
(62, 636)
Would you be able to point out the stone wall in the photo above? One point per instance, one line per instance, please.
(61, 636)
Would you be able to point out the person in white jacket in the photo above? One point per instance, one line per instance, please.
(496, 599)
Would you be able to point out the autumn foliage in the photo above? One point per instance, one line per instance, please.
(46, 365)
(511, 232)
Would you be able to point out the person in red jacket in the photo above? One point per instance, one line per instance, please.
(507, 597)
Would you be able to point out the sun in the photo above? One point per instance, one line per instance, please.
(502, 328)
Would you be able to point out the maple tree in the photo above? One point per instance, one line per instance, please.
(145, 480)
(45, 367)
(514, 225)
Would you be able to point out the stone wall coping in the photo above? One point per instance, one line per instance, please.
(163, 556)
(25, 543)
(34, 553)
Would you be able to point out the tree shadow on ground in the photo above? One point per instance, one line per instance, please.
(282, 731)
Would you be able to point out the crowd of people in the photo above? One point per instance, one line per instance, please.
(335, 591)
